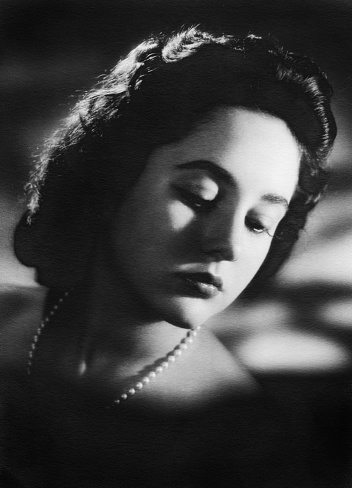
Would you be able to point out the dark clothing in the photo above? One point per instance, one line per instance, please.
(293, 433)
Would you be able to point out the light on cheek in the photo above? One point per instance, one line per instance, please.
(180, 215)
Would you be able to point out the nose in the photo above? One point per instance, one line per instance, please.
(222, 238)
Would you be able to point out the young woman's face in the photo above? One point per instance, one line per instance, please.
(199, 222)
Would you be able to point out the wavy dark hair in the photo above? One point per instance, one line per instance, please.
(155, 96)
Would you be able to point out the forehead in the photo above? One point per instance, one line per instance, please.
(251, 146)
(229, 132)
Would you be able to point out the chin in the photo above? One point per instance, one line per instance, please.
(188, 313)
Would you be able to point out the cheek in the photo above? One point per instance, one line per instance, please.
(260, 252)
(156, 226)
(178, 215)
(252, 257)
(257, 259)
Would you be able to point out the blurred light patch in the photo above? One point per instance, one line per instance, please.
(341, 153)
(257, 317)
(330, 262)
(337, 313)
(12, 271)
(293, 352)
(330, 220)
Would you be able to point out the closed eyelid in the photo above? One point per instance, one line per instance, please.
(221, 175)
(198, 183)
(216, 172)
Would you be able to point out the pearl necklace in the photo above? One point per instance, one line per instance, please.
(161, 364)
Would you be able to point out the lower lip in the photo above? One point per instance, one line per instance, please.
(199, 288)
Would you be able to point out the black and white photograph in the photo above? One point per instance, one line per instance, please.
(176, 244)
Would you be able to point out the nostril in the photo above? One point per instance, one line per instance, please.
(223, 253)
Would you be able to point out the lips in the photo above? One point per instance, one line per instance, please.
(204, 285)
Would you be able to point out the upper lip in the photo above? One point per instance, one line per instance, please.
(204, 278)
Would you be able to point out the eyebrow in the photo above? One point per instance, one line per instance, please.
(222, 175)
(275, 199)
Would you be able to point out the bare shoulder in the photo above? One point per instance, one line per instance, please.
(206, 372)
(20, 313)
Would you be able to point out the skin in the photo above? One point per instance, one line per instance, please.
(216, 216)
(208, 203)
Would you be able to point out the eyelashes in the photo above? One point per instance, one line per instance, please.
(256, 226)
(202, 206)
(195, 201)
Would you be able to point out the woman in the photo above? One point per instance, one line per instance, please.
(182, 179)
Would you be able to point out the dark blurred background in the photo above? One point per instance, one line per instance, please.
(51, 50)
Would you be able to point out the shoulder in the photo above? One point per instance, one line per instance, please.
(20, 313)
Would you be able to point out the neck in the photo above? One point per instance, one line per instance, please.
(120, 325)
